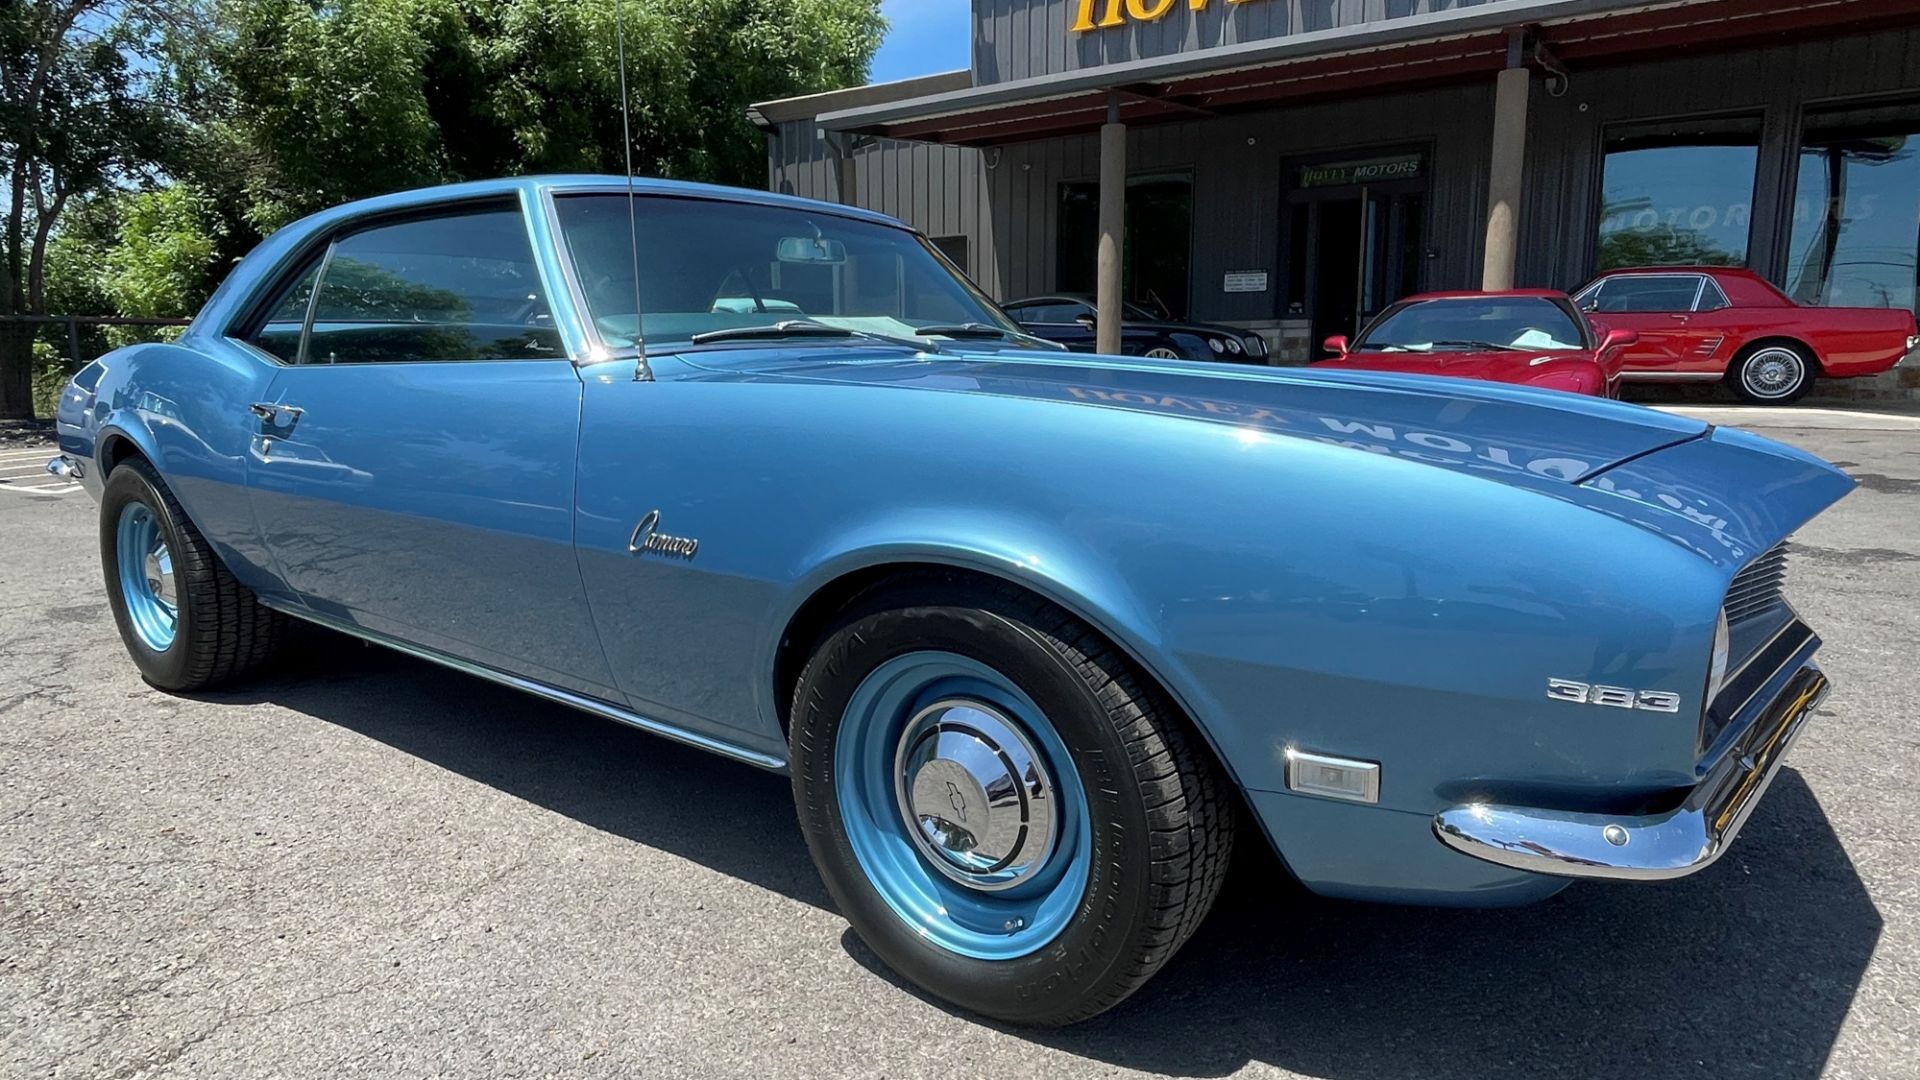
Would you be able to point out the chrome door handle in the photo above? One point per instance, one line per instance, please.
(279, 419)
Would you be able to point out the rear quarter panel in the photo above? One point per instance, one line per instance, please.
(184, 407)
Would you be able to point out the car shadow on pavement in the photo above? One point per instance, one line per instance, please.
(602, 774)
(1747, 968)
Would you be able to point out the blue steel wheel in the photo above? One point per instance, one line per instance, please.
(186, 621)
(1004, 808)
(962, 805)
(146, 577)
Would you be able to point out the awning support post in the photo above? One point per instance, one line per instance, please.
(845, 174)
(1507, 176)
(1113, 213)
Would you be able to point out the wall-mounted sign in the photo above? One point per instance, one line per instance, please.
(1368, 171)
(1102, 14)
(1245, 281)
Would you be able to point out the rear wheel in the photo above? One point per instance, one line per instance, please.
(1773, 374)
(1004, 810)
(187, 623)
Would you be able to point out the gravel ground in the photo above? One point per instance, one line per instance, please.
(366, 865)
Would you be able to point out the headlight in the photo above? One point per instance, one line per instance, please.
(1717, 666)
(1256, 346)
(1214, 344)
(1233, 345)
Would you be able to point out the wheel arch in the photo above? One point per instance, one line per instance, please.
(117, 442)
(1804, 347)
(1099, 601)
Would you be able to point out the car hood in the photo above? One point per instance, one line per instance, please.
(1503, 366)
(1532, 436)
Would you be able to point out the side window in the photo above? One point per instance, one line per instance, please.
(1052, 313)
(280, 334)
(1712, 298)
(461, 286)
(1636, 293)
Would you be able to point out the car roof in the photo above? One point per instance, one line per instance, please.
(641, 185)
(226, 301)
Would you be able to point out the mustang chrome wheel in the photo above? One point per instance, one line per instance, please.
(1161, 352)
(146, 577)
(961, 805)
(1776, 373)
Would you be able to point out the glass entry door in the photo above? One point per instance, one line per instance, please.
(1363, 226)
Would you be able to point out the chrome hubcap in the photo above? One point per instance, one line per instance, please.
(159, 570)
(976, 797)
(1773, 373)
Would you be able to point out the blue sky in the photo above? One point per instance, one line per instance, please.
(927, 36)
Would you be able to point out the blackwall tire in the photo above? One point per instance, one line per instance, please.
(1124, 827)
(186, 622)
(1774, 373)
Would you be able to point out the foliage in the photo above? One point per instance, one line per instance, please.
(364, 96)
(163, 263)
(77, 115)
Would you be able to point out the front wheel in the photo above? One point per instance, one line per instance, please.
(1006, 812)
(1775, 374)
(187, 623)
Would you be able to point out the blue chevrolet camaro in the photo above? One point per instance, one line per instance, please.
(1036, 635)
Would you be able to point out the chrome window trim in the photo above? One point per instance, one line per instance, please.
(596, 347)
(1701, 278)
(1707, 282)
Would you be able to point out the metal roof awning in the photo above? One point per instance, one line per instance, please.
(1421, 49)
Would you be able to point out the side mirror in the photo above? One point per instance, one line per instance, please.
(1337, 344)
(1618, 339)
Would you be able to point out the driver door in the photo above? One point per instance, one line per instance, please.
(412, 470)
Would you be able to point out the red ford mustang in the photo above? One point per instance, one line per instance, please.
(1699, 324)
(1534, 337)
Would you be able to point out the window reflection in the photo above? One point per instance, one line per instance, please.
(1856, 214)
(1679, 195)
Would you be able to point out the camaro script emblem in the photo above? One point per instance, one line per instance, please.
(647, 537)
(1613, 697)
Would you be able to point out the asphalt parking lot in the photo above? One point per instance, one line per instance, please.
(362, 864)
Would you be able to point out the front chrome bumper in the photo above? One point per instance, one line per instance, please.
(1653, 847)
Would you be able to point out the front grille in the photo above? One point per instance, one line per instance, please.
(1756, 589)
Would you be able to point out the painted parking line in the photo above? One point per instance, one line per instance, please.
(24, 472)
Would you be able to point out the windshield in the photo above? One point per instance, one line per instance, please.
(1531, 323)
(710, 265)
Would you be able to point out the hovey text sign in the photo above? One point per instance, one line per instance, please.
(1100, 14)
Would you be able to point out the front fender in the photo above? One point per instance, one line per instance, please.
(1025, 552)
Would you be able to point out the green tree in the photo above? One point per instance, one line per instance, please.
(76, 115)
(358, 97)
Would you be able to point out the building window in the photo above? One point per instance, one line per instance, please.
(1856, 211)
(955, 249)
(1679, 194)
(1156, 264)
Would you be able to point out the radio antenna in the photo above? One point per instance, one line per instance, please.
(642, 372)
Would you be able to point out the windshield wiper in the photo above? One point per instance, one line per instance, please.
(1477, 345)
(978, 330)
(792, 328)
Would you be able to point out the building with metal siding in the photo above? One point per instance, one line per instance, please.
(1714, 130)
